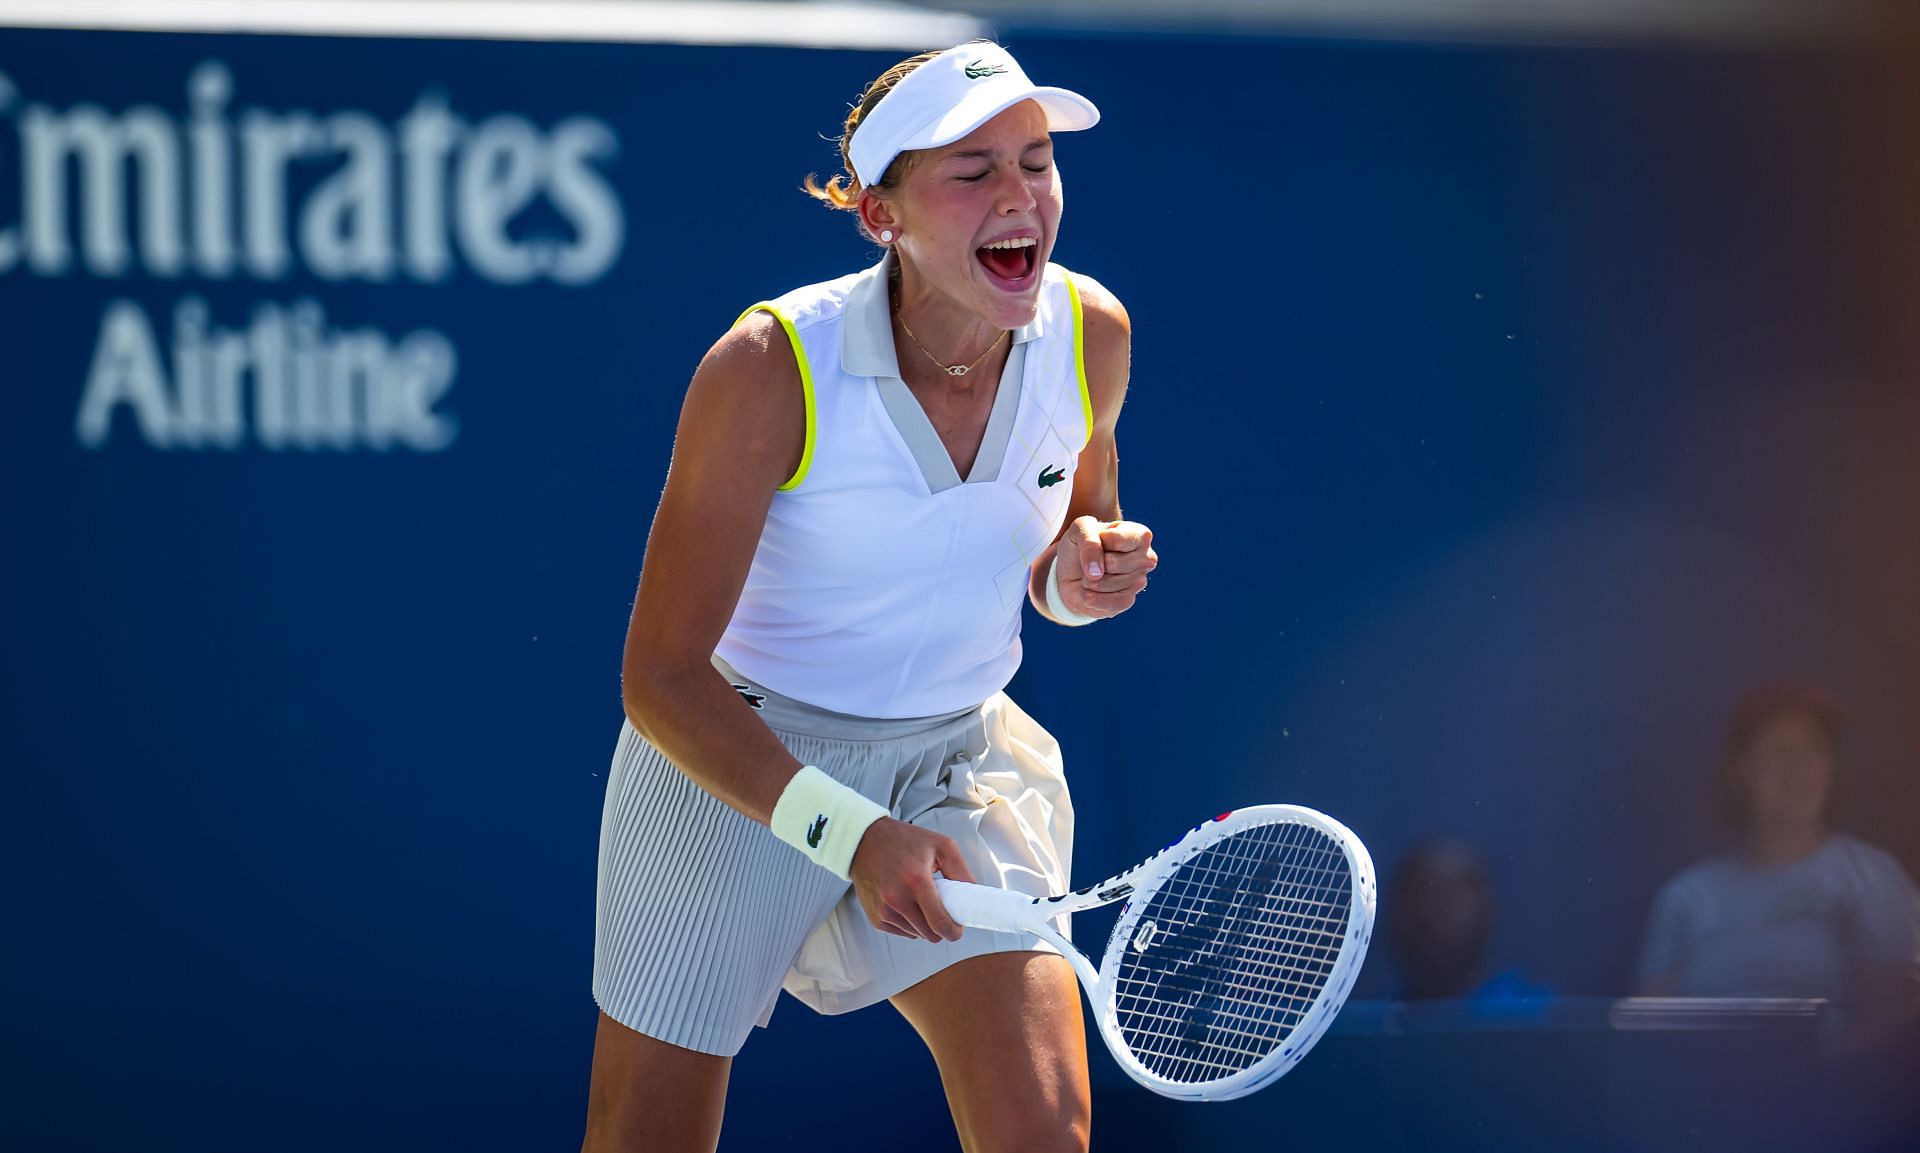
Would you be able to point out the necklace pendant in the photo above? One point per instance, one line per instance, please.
(958, 369)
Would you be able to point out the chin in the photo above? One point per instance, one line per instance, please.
(1010, 308)
(1011, 315)
(1011, 301)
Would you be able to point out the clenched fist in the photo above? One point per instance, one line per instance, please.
(1101, 567)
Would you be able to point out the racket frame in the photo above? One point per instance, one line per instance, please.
(1000, 910)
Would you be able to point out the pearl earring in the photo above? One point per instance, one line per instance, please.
(886, 236)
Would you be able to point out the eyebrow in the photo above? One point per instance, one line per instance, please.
(987, 153)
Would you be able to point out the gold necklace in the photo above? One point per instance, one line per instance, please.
(949, 369)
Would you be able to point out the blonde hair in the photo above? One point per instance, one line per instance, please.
(843, 191)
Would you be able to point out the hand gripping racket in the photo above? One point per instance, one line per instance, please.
(1237, 945)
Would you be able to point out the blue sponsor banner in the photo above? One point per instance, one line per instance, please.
(338, 387)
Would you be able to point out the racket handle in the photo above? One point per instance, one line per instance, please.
(985, 907)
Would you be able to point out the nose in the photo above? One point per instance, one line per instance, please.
(1014, 197)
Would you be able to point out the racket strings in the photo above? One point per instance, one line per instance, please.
(1224, 1006)
(1243, 939)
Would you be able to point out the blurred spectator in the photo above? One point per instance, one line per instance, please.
(1797, 909)
(1440, 919)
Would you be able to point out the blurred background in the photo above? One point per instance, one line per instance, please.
(1526, 401)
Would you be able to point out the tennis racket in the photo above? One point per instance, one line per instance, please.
(1237, 945)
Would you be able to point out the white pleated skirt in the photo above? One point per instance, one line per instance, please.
(702, 916)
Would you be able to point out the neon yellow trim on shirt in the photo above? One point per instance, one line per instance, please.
(806, 388)
(1080, 355)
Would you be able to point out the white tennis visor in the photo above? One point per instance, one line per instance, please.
(951, 95)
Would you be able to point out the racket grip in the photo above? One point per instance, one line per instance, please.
(985, 907)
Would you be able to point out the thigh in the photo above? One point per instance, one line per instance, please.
(1005, 1030)
(646, 1094)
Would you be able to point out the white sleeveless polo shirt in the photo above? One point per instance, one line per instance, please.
(885, 584)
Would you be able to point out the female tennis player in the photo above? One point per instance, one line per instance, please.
(871, 475)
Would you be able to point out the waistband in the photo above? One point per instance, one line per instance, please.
(792, 716)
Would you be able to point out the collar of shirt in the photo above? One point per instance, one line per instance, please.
(866, 336)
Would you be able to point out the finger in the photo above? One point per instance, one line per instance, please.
(937, 917)
(1115, 562)
(1093, 561)
(885, 921)
(948, 861)
(1125, 536)
(1125, 586)
(907, 908)
(1081, 530)
(1108, 604)
(1123, 565)
(1080, 545)
(1142, 560)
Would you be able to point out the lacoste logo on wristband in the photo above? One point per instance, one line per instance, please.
(815, 830)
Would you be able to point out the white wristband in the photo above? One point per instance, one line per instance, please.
(823, 819)
(1058, 607)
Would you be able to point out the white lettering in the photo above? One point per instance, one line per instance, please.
(9, 239)
(498, 174)
(126, 370)
(427, 136)
(585, 199)
(306, 399)
(193, 415)
(313, 388)
(352, 372)
(104, 147)
(268, 343)
(347, 227)
(418, 376)
(269, 144)
(207, 366)
(217, 191)
(209, 89)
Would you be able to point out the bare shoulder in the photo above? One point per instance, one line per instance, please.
(1106, 318)
(755, 352)
(746, 400)
(1109, 343)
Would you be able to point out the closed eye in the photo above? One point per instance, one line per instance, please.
(979, 176)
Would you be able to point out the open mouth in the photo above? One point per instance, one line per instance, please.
(1009, 263)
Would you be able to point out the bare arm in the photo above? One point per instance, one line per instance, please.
(1094, 532)
(742, 430)
(740, 436)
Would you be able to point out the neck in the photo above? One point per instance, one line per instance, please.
(925, 320)
(1783, 844)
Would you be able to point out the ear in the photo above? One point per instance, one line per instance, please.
(877, 213)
